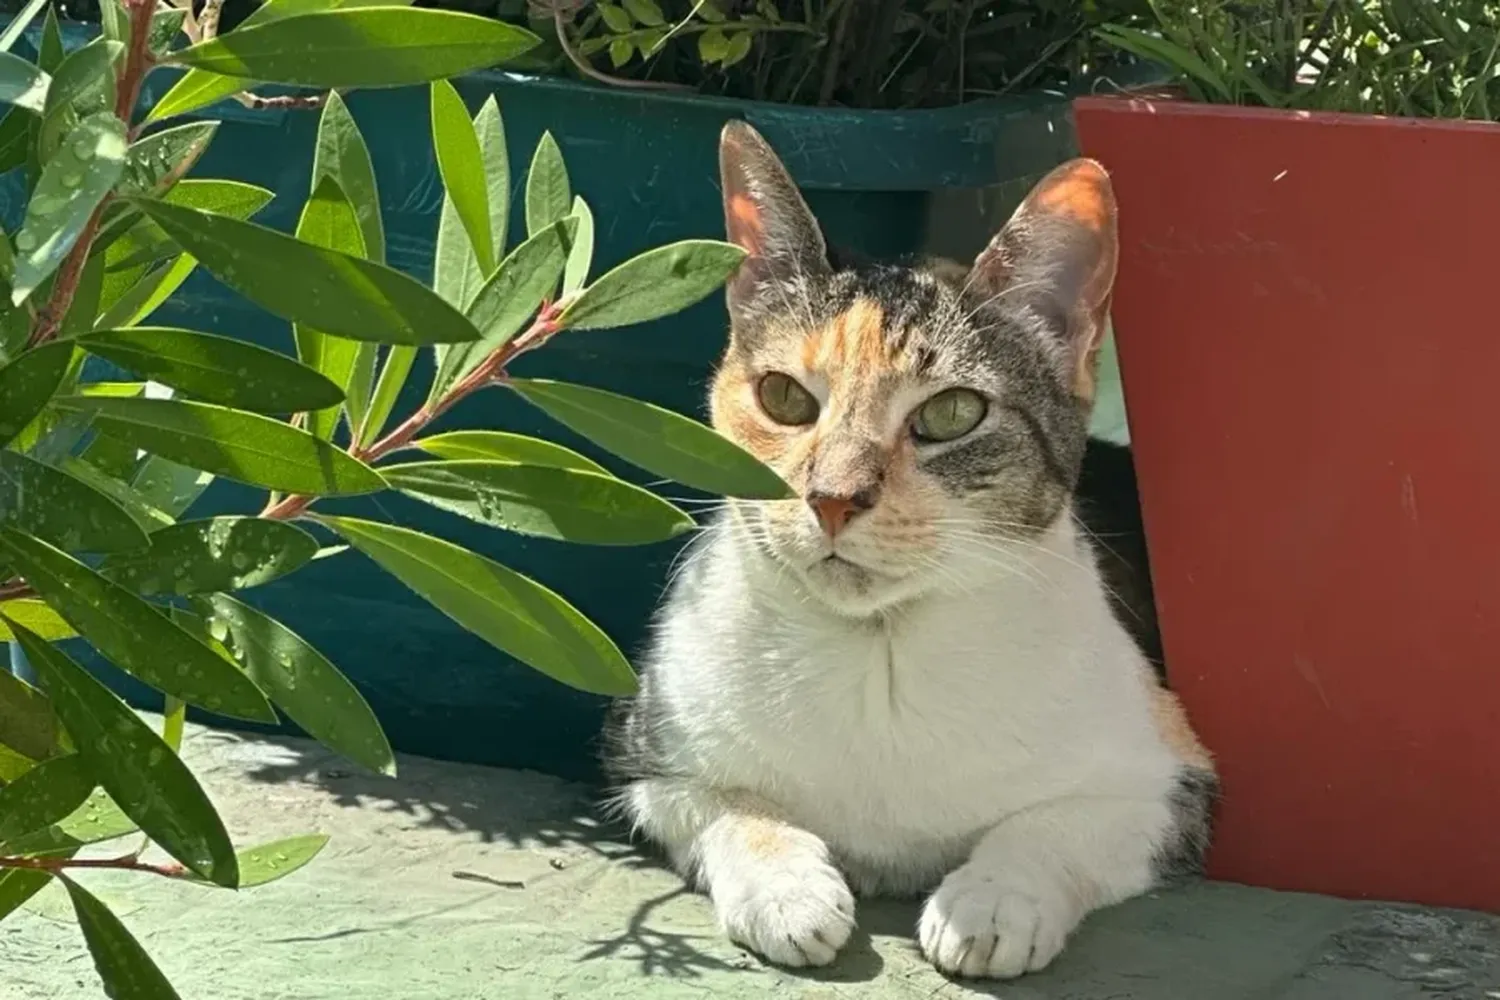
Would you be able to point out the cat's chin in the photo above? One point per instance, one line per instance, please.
(849, 589)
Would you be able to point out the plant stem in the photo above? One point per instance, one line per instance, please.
(127, 92)
(11, 590)
(128, 863)
(489, 371)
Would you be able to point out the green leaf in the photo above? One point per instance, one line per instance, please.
(46, 794)
(17, 886)
(709, 11)
(96, 821)
(169, 486)
(123, 965)
(26, 385)
(50, 52)
(173, 722)
(621, 51)
(17, 27)
(565, 504)
(646, 12)
(134, 765)
(146, 516)
(245, 447)
(154, 163)
(300, 681)
(27, 721)
(15, 139)
(218, 553)
(38, 617)
(368, 47)
(461, 166)
(22, 83)
(581, 257)
(501, 446)
(113, 20)
(82, 86)
(393, 375)
(72, 184)
(548, 194)
(54, 506)
(144, 297)
(1154, 49)
(329, 220)
(166, 25)
(131, 634)
(362, 384)
(713, 46)
(276, 860)
(215, 369)
(738, 48)
(509, 299)
(514, 614)
(657, 440)
(334, 292)
(615, 17)
(342, 155)
(654, 284)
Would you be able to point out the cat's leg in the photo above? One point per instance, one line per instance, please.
(772, 884)
(1031, 879)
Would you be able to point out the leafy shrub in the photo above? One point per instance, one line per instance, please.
(1390, 57)
(95, 477)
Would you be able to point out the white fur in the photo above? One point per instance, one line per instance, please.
(991, 739)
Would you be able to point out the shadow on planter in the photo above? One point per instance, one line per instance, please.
(1305, 336)
(885, 183)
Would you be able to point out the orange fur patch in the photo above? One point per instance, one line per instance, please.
(1081, 191)
(1171, 722)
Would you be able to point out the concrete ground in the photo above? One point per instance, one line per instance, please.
(465, 883)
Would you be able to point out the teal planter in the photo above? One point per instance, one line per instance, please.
(647, 165)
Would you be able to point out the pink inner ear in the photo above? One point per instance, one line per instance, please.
(745, 223)
(1079, 192)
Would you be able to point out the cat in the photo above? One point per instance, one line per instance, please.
(909, 679)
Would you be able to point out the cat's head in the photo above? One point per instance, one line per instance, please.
(931, 418)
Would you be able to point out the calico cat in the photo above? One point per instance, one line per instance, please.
(909, 679)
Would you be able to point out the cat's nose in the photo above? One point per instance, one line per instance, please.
(834, 511)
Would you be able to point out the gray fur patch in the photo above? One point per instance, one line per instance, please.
(1192, 803)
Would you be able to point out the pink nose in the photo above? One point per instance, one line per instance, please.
(835, 512)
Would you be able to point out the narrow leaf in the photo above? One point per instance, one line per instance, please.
(26, 718)
(565, 504)
(123, 965)
(38, 617)
(548, 195)
(655, 439)
(367, 47)
(456, 274)
(342, 155)
(94, 822)
(393, 375)
(245, 447)
(20, 23)
(300, 681)
(83, 85)
(218, 553)
(173, 722)
(461, 166)
(154, 163)
(576, 274)
(17, 886)
(334, 292)
(329, 220)
(23, 83)
(26, 385)
(216, 369)
(134, 765)
(72, 184)
(516, 615)
(657, 283)
(132, 634)
(276, 860)
(55, 506)
(501, 446)
(46, 794)
(509, 299)
(143, 298)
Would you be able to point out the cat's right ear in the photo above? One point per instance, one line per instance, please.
(765, 216)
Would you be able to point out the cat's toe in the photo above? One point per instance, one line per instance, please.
(797, 912)
(979, 926)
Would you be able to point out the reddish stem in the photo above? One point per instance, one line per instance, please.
(127, 92)
(12, 589)
(128, 863)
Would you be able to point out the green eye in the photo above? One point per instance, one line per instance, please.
(785, 401)
(949, 415)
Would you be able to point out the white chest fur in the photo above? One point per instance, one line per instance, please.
(900, 741)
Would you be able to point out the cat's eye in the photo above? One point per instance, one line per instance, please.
(785, 400)
(949, 415)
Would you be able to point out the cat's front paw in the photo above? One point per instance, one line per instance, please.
(980, 925)
(794, 910)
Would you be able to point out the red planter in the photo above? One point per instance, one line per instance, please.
(1308, 322)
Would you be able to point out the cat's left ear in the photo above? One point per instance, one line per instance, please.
(1058, 253)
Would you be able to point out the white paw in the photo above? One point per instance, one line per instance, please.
(980, 925)
(794, 909)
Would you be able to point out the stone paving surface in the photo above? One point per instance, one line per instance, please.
(455, 882)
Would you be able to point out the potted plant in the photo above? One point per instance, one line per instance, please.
(1304, 339)
(902, 143)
